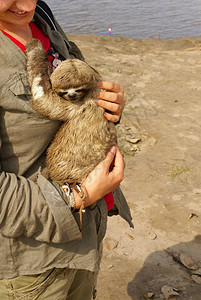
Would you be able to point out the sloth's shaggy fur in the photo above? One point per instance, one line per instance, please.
(68, 94)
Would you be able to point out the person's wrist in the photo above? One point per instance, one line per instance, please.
(80, 195)
(78, 201)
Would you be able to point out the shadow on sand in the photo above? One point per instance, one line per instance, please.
(161, 269)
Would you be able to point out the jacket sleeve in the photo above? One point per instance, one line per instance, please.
(35, 210)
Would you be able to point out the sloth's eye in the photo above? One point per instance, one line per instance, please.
(81, 91)
(61, 94)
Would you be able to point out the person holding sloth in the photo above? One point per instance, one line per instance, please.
(43, 254)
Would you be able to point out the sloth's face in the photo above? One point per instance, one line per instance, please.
(73, 94)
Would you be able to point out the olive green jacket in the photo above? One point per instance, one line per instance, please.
(37, 229)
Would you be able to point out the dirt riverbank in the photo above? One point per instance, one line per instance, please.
(160, 136)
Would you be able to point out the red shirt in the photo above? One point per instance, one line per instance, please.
(37, 34)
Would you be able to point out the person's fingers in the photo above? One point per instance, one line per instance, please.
(112, 100)
(110, 86)
(109, 158)
(112, 117)
(110, 96)
(119, 163)
(112, 107)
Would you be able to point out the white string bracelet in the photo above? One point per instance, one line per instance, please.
(70, 196)
(81, 191)
(82, 194)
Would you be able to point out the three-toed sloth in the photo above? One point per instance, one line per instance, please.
(69, 94)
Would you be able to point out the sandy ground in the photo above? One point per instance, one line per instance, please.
(160, 135)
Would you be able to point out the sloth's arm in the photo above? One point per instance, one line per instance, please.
(44, 100)
(38, 65)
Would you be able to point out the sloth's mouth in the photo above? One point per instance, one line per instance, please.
(71, 97)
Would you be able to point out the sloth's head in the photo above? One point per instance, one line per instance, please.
(74, 79)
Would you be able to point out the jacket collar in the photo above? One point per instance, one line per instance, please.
(55, 37)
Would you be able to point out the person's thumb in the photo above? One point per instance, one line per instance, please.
(110, 156)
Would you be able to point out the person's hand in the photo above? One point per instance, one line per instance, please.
(111, 98)
(101, 180)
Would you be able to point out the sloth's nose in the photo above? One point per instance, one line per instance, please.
(72, 95)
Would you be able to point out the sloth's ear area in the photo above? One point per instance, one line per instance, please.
(96, 73)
